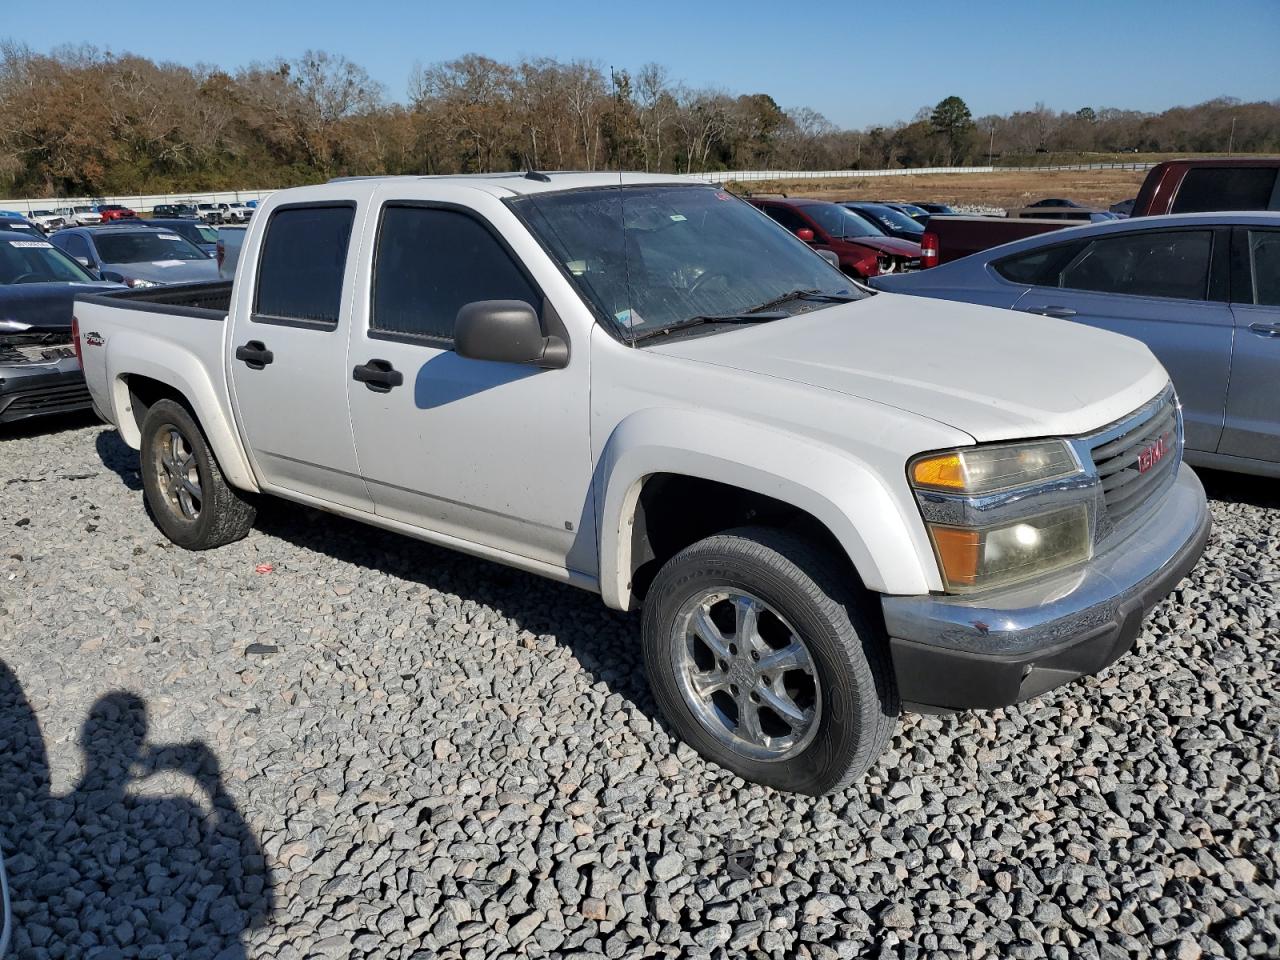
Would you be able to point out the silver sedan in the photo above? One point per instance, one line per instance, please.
(1201, 290)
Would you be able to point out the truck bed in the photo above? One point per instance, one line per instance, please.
(209, 300)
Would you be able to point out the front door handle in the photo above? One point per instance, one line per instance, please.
(378, 375)
(1061, 313)
(255, 354)
(1266, 329)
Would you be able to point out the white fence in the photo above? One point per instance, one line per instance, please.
(144, 203)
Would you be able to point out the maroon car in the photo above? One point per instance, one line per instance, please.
(864, 251)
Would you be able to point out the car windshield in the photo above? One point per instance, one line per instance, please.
(26, 260)
(42, 213)
(890, 218)
(656, 257)
(841, 222)
(140, 246)
(85, 210)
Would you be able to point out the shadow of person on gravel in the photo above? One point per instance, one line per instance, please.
(109, 871)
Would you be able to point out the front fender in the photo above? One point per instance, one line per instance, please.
(847, 496)
(185, 372)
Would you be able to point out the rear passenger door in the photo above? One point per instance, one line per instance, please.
(1166, 288)
(494, 454)
(1253, 402)
(288, 353)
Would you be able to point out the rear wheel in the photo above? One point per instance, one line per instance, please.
(762, 659)
(190, 500)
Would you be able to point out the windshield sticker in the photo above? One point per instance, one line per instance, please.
(678, 217)
(169, 236)
(29, 243)
(721, 195)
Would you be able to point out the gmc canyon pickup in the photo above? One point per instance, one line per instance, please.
(831, 504)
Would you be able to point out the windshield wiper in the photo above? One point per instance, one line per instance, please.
(802, 295)
(754, 315)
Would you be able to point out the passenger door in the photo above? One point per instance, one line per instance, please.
(1166, 288)
(288, 353)
(496, 454)
(1252, 426)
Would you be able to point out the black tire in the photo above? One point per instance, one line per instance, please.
(858, 706)
(224, 515)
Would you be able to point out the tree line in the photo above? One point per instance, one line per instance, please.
(83, 122)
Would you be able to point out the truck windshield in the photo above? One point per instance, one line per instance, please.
(653, 257)
(26, 260)
(141, 246)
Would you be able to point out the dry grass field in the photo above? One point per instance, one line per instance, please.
(1017, 188)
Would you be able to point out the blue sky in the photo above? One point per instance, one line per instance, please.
(857, 63)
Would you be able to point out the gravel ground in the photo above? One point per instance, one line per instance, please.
(328, 741)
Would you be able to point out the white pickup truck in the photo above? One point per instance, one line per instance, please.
(832, 504)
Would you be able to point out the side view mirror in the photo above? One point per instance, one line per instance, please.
(805, 234)
(83, 261)
(830, 257)
(506, 331)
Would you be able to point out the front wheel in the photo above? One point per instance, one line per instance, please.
(190, 500)
(761, 658)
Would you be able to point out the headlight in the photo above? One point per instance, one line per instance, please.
(1004, 513)
(988, 469)
(972, 559)
(138, 282)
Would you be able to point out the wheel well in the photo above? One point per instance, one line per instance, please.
(145, 391)
(675, 511)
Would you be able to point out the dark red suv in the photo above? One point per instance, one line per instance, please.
(864, 251)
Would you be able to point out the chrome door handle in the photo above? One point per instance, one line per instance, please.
(1061, 313)
(1266, 329)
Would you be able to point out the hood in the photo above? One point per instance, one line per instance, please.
(168, 271)
(899, 248)
(44, 304)
(995, 374)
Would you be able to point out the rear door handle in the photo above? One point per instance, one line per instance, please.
(1266, 329)
(1061, 313)
(255, 354)
(378, 375)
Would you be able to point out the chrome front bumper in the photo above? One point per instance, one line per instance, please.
(955, 653)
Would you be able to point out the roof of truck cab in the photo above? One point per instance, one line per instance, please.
(506, 184)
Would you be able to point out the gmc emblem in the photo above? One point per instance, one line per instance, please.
(1150, 455)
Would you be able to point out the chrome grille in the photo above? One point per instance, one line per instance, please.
(1132, 463)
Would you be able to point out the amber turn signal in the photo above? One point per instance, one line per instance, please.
(945, 470)
(958, 553)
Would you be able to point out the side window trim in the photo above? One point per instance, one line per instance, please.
(302, 323)
(432, 340)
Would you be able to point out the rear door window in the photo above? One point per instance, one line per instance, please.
(304, 257)
(1165, 263)
(432, 261)
(788, 218)
(1227, 188)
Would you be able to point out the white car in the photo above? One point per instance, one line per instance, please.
(47, 220)
(831, 504)
(78, 216)
(238, 213)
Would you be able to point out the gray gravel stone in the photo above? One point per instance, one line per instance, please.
(444, 758)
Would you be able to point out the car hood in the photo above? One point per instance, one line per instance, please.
(44, 304)
(900, 248)
(168, 271)
(994, 374)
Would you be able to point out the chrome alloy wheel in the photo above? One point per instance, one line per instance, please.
(178, 474)
(746, 675)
